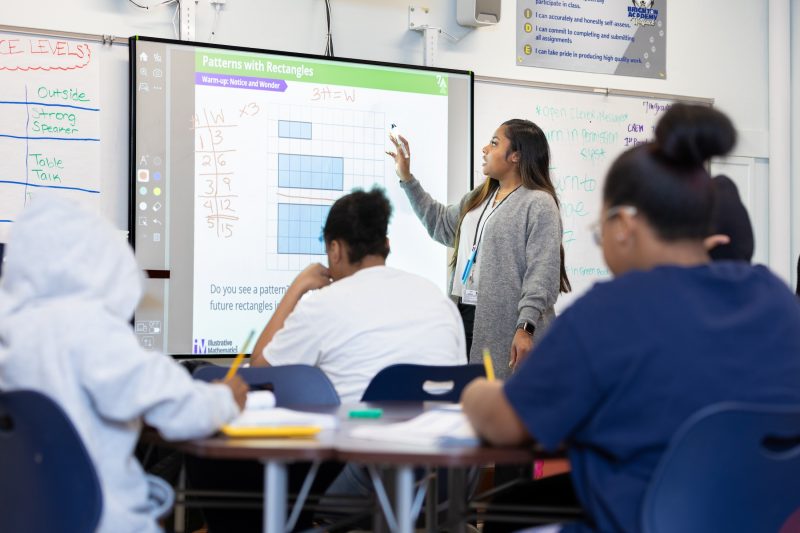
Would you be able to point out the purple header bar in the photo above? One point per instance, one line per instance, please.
(239, 82)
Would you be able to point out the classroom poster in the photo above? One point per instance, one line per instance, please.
(625, 37)
(49, 122)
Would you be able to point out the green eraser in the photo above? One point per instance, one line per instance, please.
(366, 413)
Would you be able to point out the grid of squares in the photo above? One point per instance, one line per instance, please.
(296, 171)
(293, 129)
(356, 136)
(300, 228)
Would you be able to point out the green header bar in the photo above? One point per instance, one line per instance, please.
(315, 71)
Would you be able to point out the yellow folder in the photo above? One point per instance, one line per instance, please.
(276, 431)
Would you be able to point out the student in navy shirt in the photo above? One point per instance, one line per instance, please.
(626, 364)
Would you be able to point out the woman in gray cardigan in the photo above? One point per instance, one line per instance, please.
(508, 263)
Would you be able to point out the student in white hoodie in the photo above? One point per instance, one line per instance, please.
(69, 287)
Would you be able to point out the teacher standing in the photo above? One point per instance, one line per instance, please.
(508, 261)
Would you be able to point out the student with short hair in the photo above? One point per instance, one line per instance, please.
(365, 315)
(69, 288)
(629, 362)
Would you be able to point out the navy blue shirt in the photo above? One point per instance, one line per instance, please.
(627, 363)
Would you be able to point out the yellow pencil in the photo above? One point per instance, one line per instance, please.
(240, 357)
(487, 364)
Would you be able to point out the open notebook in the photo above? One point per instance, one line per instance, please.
(261, 419)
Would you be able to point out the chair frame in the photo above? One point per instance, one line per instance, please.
(48, 480)
(730, 467)
(292, 384)
(404, 382)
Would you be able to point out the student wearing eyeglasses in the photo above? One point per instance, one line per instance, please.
(672, 333)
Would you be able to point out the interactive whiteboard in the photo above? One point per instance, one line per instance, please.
(238, 155)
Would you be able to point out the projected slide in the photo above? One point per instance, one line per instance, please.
(274, 142)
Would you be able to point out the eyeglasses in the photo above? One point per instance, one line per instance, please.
(596, 228)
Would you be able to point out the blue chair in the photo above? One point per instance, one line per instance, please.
(48, 481)
(730, 467)
(405, 383)
(291, 384)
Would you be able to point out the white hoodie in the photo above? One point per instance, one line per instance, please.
(69, 287)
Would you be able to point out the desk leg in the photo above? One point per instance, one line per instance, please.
(404, 496)
(276, 485)
(457, 497)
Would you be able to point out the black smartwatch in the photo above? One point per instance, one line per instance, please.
(527, 327)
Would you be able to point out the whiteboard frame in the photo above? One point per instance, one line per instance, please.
(605, 91)
(94, 37)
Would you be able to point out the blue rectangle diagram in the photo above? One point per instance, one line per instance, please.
(292, 129)
(300, 228)
(297, 171)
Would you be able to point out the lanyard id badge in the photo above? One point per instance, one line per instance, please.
(469, 265)
(476, 240)
(469, 297)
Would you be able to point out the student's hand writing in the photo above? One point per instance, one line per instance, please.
(520, 346)
(314, 276)
(239, 389)
(402, 164)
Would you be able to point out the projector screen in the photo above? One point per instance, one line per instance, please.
(237, 155)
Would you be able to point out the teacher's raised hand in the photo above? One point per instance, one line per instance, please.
(401, 156)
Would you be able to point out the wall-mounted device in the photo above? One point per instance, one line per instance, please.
(477, 12)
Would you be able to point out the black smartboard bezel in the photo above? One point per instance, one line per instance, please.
(132, 119)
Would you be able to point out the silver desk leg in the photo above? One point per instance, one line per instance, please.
(404, 496)
(180, 501)
(276, 485)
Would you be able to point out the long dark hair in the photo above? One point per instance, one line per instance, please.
(529, 141)
(666, 179)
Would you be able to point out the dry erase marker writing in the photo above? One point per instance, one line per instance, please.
(394, 131)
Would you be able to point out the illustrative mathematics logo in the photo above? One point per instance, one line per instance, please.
(199, 346)
(203, 346)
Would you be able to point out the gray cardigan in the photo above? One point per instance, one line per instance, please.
(519, 261)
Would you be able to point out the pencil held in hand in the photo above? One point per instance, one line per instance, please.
(487, 364)
(239, 358)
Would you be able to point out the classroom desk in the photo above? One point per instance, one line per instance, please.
(275, 454)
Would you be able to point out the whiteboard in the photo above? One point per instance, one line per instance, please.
(586, 129)
(41, 106)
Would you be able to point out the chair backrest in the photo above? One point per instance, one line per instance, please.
(730, 467)
(407, 383)
(291, 384)
(48, 481)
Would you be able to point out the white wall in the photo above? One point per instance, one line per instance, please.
(716, 49)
